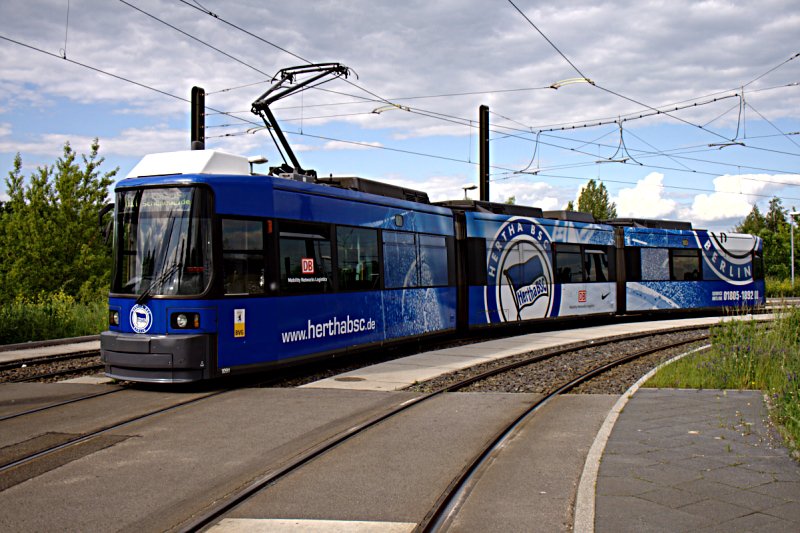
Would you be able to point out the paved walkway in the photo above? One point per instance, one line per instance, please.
(689, 460)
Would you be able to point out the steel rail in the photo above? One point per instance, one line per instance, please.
(451, 500)
(221, 507)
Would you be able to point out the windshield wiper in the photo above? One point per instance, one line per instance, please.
(160, 279)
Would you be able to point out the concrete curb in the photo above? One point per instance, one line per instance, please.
(584, 500)
(43, 344)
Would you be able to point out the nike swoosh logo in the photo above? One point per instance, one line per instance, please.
(604, 296)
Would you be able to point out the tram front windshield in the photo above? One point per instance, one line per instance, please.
(162, 242)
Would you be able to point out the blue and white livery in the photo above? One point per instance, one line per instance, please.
(220, 271)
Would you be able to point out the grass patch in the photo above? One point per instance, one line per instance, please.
(746, 354)
(781, 288)
(52, 316)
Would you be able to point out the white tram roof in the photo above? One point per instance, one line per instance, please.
(190, 162)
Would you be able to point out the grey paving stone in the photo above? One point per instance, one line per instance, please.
(756, 522)
(672, 498)
(711, 462)
(668, 474)
(787, 511)
(704, 487)
(739, 477)
(622, 514)
(624, 486)
(715, 510)
(751, 500)
(786, 490)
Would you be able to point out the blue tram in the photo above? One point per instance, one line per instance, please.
(220, 271)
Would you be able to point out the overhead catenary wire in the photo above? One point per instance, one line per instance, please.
(595, 84)
(423, 112)
(165, 93)
(118, 77)
(430, 114)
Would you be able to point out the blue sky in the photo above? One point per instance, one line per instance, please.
(640, 56)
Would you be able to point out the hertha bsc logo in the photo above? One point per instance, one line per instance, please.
(519, 273)
(141, 318)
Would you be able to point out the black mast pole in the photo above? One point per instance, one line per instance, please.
(484, 152)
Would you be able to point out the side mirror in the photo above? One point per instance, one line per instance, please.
(105, 230)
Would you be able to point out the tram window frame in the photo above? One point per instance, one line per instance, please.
(758, 265)
(421, 255)
(246, 255)
(397, 253)
(431, 260)
(633, 264)
(676, 256)
(589, 271)
(317, 239)
(369, 267)
(476, 261)
(562, 251)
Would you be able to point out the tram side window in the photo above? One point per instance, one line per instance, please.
(358, 264)
(596, 263)
(243, 256)
(305, 257)
(412, 260)
(432, 261)
(685, 265)
(655, 264)
(400, 260)
(569, 267)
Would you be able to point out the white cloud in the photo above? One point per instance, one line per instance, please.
(645, 200)
(441, 188)
(656, 53)
(131, 142)
(735, 195)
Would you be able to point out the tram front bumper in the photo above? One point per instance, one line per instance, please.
(157, 358)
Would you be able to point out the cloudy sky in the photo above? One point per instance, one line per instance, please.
(693, 112)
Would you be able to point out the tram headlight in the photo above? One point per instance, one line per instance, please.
(185, 320)
(113, 317)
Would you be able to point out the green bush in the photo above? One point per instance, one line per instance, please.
(51, 316)
(782, 288)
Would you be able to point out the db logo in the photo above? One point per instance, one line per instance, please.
(307, 265)
(581, 297)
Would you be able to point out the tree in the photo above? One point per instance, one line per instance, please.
(775, 218)
(49, 234)
(774, 230)
(753, 223)
(570, 206)
(594, 199)
(511, 200)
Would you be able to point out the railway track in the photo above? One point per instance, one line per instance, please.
(53, 370)
(448, 503)
(18, 466)
(75, 360)
(19, 463)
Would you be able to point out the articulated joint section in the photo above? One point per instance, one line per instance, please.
(158, 358)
